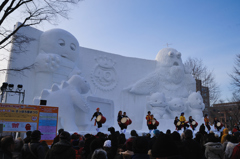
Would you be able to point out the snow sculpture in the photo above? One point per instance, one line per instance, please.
(169, 77)
(157, 104)
(67, 96)
(175, 107)
(104, 75)
(195, 105)
(56, 60)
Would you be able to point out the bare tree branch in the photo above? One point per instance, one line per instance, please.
(235, 76)
(200, 72)
(31, 12)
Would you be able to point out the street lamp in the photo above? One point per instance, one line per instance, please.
(8, 88)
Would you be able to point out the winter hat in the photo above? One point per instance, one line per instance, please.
(107, 143)
(65, 135)
(97, 109)
(36, 134)
(156, 132)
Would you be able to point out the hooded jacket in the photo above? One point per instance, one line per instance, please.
(229, 149)
(61, 150)
(225, 133)
(214, 150)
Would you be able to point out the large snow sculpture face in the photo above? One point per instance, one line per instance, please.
(157, 100)
(196, 101)
(176, 104)
(60, 42)
(170, 59)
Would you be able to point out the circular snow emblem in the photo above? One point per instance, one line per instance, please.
(104, 78)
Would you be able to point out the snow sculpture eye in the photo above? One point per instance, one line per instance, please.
(171, 54)
(179, 55)
(61, 42)
(73, 47)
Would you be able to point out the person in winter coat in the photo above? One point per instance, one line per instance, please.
(56, 139)
(128, 147)
(17, 154)
(62, 149)
(164, 147)
(75, 144)
(140, 148)
(28, 138)
(225, 133)
(7, 146)
(228, 138)
(192, 149)
(34, 149)
(230, 146)
(177, 140)
(236, 150)
(214, 149)
(111, 146)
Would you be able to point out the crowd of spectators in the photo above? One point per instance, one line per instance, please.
(159, 145)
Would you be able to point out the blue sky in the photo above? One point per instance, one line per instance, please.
(208, 30)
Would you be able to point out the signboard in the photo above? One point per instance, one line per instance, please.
(22, 118)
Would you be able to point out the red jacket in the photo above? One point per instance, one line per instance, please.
(236, 152)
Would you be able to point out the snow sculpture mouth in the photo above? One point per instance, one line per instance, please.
(175, 64)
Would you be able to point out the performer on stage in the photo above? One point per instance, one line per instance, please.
(215, 121)
(154, 126)
(149, 122)
(183, 121)
(178, 127)
(124, 125)
(120, 116)
(95, 115)
(206, 120)
(191, 124)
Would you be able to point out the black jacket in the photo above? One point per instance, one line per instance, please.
(5, 154)
(191, 149)
(61, 150)
(37, 149)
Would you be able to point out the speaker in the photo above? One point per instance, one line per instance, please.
(43, 102)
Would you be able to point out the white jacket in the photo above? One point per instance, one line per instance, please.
(229, 149)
